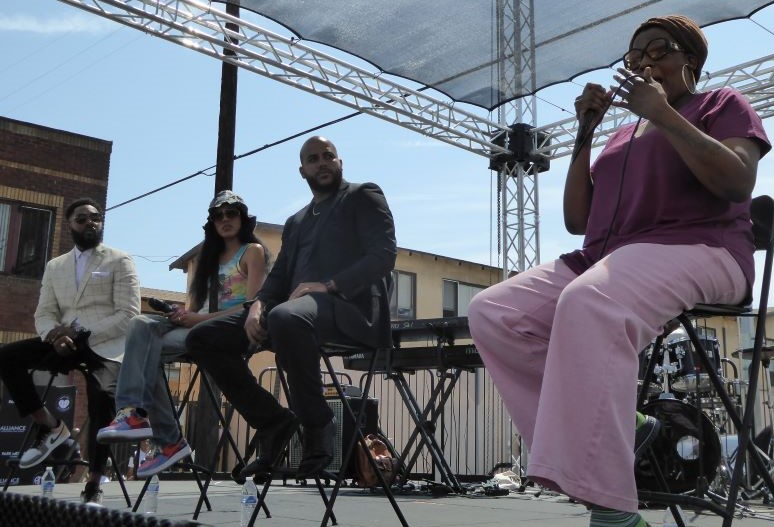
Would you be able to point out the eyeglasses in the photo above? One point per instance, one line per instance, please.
(656, 49)
(83, 218)
(220, 214)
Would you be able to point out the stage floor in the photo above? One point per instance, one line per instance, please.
(297, 506)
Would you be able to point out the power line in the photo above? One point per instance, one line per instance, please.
(237, 157)
(155, 259)
(71, 76)
(249, 153)
(60, 65)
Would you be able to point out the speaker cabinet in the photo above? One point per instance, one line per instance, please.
(345, 428)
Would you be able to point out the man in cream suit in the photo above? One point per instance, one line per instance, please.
(87, 298)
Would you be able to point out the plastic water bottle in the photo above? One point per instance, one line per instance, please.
(152, 496)
(249, 500)
(47, 483)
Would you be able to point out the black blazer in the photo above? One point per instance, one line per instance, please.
(355, 247)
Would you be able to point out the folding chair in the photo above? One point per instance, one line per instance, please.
(358, 418)
(287, 471)
(196, 469)
(762, 215)
(327, 351)
(13, 463)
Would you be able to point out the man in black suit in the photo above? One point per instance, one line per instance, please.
(330, 283)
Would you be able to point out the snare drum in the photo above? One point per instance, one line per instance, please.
(689, 373)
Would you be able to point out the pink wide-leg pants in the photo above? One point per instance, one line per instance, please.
(562, 350)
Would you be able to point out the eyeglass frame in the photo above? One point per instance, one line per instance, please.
(224, 213)
(83, 219)
(670, 47)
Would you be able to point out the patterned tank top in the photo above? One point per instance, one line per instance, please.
(233, 283)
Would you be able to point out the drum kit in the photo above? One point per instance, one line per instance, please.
(696, 448)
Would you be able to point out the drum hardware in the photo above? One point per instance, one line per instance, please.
(690, 376)
(767, 353)
(696, 457)
(763, 444)
(687, 453)
(688, 449)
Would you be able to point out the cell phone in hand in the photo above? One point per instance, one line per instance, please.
(160, 305)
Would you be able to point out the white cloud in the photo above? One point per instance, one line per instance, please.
(73, 23)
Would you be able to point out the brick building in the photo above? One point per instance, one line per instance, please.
(41, 171)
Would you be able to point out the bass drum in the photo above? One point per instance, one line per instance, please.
(684, 429)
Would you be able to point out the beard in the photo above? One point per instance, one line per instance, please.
(87, 239)
(325, 188)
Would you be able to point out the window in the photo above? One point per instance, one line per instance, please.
(402, 298)
(457, 296)
(25, 235)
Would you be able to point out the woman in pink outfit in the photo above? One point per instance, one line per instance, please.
(665, 213)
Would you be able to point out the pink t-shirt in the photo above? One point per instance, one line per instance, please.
(661, 201)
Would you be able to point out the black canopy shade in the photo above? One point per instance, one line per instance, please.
(452, 45)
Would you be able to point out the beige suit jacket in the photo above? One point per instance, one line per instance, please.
(108, 297)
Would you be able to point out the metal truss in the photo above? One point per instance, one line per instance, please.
(519, 189)
(755, 79)
(198, 26)
(202, 28)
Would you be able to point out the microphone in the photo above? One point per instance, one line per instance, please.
(587, 121)
(160, 305)
(590, 118)
(585, 130)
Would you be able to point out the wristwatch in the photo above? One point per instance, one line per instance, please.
(330, 286)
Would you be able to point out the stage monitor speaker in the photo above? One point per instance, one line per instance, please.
(345, 427)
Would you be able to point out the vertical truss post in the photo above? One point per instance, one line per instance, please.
(518, 188)
(517, 185)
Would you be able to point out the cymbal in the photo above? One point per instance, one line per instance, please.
(767, 352)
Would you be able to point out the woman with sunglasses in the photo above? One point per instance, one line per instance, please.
(665, 213)
(230, 254)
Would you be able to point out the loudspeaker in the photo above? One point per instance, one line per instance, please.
(345, 428)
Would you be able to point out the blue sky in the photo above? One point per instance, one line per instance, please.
(158, 103)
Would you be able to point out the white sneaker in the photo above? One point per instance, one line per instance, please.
(46, 441)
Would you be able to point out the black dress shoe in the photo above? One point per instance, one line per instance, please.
(317, 449)
(272, 440)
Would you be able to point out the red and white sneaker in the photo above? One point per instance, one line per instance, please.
(163, 458)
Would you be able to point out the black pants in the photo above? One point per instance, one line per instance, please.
(18, 358)
(296, 329)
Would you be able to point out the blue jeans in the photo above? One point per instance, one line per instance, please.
(151, 340)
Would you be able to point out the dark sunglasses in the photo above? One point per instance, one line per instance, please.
(220, 214)
(83, 218)
(656, 49)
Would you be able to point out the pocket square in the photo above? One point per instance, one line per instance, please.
(98, 274)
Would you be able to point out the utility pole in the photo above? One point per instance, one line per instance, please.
(206, 422)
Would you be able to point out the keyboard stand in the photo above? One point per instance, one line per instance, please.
(424, 423)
